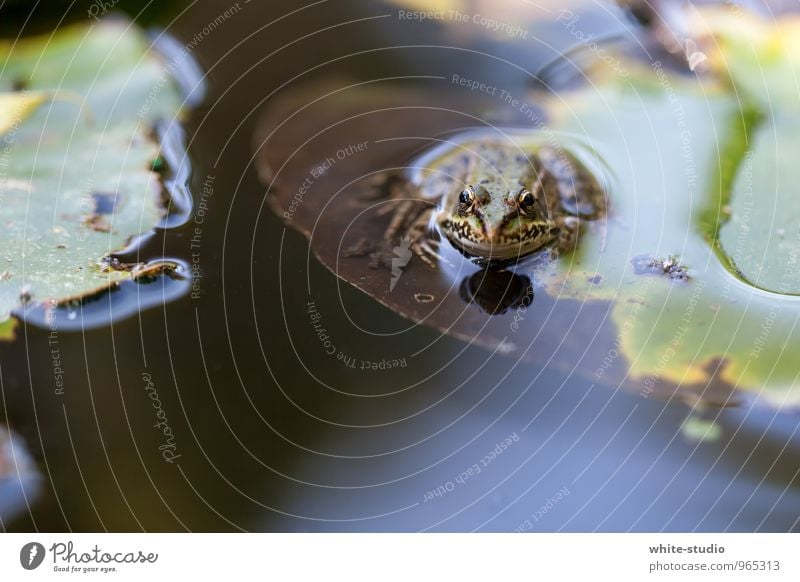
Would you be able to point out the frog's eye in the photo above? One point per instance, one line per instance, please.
(526, 200)
(466, 198)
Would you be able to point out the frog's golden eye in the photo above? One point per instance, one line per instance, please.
(466, 198)
(526, 200)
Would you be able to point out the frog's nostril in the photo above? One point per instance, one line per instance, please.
(490, 231)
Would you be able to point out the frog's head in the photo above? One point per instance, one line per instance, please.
(495, 220)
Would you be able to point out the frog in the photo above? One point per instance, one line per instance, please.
(495, 202)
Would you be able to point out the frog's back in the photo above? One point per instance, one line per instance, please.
(578, 191)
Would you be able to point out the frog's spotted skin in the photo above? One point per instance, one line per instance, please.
(492, 200)
(498, 203)
(498, 211)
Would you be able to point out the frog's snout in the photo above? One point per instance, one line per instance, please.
(491, 232)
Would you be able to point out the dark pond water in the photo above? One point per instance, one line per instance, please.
(272, 433)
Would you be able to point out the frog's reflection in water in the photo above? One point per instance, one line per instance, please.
(497, 291)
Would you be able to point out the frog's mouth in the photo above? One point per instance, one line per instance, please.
(505, 251)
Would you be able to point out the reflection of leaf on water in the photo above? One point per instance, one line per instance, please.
(76, 119)
(679, 148)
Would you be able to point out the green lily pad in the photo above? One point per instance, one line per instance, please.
(762, 236)
(76, 176)
(682, 153)
(756, 231)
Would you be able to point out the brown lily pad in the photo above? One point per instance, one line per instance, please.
(321, 151)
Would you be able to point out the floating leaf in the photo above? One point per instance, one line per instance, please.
(755, 229)
(78, 187)
(674, 152)
(308, 127)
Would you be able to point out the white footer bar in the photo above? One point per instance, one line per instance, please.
(401, 557)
